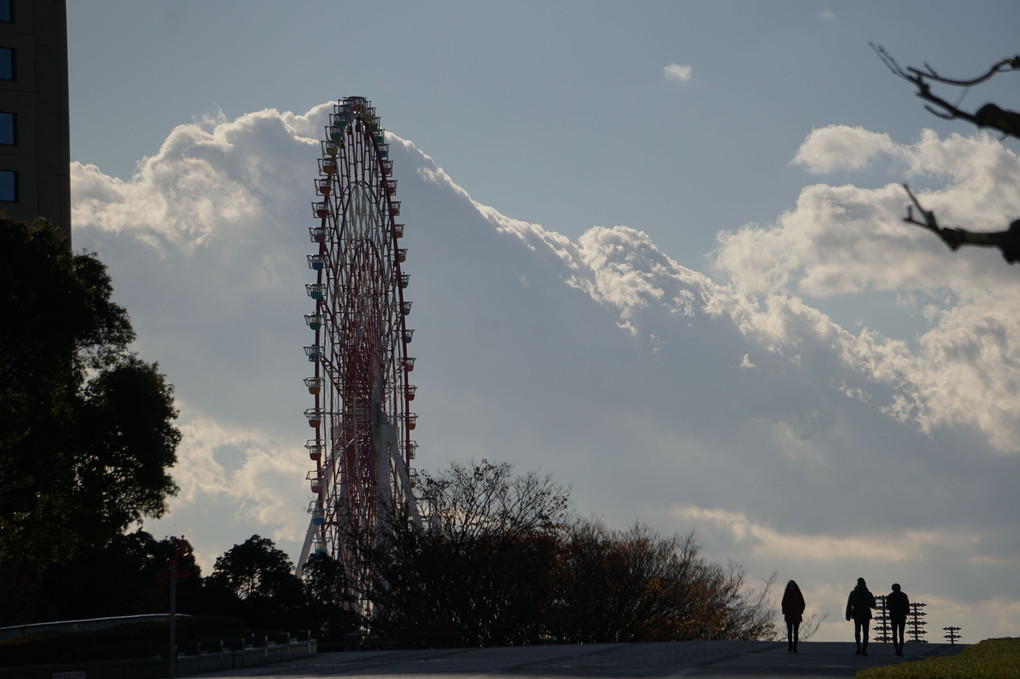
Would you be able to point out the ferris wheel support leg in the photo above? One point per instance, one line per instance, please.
(386, 442)
(387, 455)
(305, 548)
(405, 484)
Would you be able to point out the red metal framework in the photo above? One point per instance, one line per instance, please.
(361, 415)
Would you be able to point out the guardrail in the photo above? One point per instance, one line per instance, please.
(191, 659)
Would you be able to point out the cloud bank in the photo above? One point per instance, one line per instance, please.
(726, 401)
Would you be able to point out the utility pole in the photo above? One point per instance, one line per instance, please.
(172, 672)
(182, 549)
(917, 624)
(952, 633)
(883, 631)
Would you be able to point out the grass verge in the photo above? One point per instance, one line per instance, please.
(990, 659)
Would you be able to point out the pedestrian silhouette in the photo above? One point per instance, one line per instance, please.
(858, 607)
(793, 612)
(899, 606)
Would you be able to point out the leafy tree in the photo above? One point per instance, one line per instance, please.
(499, 560)
(331, 607)
(989, 116)
(618, 587)
(86, 433)
(125, 576)
(741, 611)
(324, 578)
(255, 581)
(476, 572)
(637, 586)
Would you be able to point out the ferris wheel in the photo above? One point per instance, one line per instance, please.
(362, 448)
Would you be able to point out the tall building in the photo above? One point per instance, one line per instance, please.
(35, 152)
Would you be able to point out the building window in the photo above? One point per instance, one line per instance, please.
(7, 134)
(8, 186)
(6, 63)
(5, 11)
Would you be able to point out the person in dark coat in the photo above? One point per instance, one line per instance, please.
(793, 612)
(899, 606)
(858, 607)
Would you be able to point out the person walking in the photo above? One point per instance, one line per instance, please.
(899, 606)
(858, 606)
(793, 612)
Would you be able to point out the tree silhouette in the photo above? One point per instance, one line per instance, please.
(330, 607)
(255, 581)
(499, 559)
(86, 427)
(119, 577)
(989, 116)
(477, 571)
(635, 585)
(255, 569)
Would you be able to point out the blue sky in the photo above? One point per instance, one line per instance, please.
(557, 112)
(655, 250)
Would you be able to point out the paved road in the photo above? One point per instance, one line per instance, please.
(697, 659)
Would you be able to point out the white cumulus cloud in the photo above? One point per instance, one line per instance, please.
(838, 147)
(681, 72)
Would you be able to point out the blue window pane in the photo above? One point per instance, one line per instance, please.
(6, 128)
(8, 186)
(5, 10)
(6, 63)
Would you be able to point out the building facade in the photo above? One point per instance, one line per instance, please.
(35, 154)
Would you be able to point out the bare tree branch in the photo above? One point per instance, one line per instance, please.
(810, 626)
(1007, 241)
(1005, 121)
(1004, 66)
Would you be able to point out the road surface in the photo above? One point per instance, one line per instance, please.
(696, 659)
